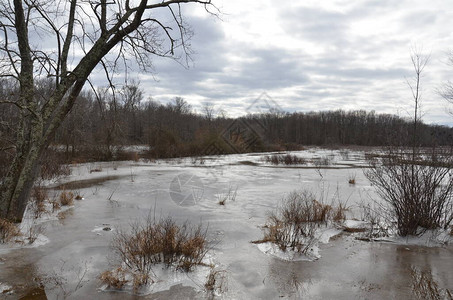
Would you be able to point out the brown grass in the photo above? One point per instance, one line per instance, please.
(39, 196)
(114, 279)
(8, 230)
(66, 198)
(55, 205)
(293, 225)
(154, 242)
(139, 280)
(338, 213)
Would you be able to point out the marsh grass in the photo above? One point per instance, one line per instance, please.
(153, 242)
(66, 198)
(292, 226)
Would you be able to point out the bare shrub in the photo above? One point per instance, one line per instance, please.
(66, 198)
(425, 287)
(8, 230)
(419, 194)
(53, 165)
(154, 242)
(114, 279)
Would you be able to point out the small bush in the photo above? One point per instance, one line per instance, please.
(417, 187)
(53, 165)
(151, 243)
(66, 198)
(7, 231)
(114, 279)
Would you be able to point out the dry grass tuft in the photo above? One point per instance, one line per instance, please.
(39, 196)
(293, 225)
(114, 279)
(338, 213)
(66, 198)
(229, 195)
(154, 242)
(8, 230)
(139, 280)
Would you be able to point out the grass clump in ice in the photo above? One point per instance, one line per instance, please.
(293, 226)
(228, 196)
(66, 198)
(155, 242)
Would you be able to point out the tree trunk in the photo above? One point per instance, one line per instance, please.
(19, 183)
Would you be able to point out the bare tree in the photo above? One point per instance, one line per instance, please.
(419, 62)
(209, 111)
(84, 34)
(417, 186)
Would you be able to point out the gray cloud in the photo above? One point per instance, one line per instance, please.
(347, 70)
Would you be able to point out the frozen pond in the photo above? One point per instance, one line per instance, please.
(117, 193)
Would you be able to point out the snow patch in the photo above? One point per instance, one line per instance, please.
(5, 289)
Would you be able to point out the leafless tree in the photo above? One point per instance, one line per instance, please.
(66, 41)
(417, 185)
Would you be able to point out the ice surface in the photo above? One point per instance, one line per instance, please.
(122, 192)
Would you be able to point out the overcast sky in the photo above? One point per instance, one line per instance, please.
(313, 55)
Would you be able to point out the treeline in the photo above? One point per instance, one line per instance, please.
(101, 125)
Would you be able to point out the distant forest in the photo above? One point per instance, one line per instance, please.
(100, 125)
